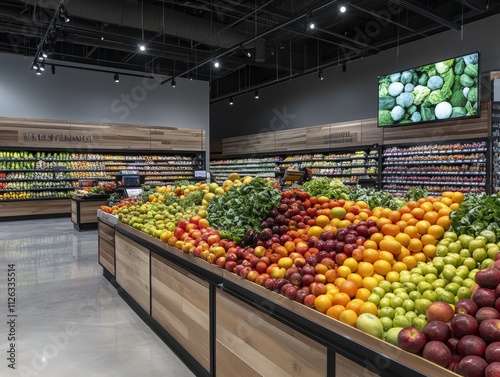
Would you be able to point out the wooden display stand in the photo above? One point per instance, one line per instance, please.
(41, 208)
(84, 212)
(106, 244)
(222, 325)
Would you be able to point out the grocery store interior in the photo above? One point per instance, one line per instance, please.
(221, 188)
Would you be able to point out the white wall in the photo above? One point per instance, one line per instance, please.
(89, 96)
(352, 95)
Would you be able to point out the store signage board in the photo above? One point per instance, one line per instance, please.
(55, 137)
(341, 138)
(133, 192)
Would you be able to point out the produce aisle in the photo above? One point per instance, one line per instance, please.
(70, 321)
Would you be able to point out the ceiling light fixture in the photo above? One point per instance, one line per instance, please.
(256, 94)
(142, 47)
(343, 9)
(320, 74)
(116, 77)
(42, 66)
(173, 83)
(231, 102)
(37, 69)
(40, 57)
(63, 14)
(53, 69)
(45, 54)
(216, 64)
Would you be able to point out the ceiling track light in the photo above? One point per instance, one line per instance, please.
(343, 9)
(142, 47)
(116, 77)
(216, 64)
(173, 83)
(40, 57)
(42, 66)
(38, 71)
(53, 69)
(320, 74)
(256, 94)
(63, 14)
(231, 102)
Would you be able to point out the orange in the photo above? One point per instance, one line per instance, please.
(350, 217)
(444, 222)
(382, 267)
(428, 239)
(370, 255)
(337, 282)
(362, 204)
(369, 307)
(454, 206)
(410, 262)
(385, 212)
(394, 216)
(412, 221)
(420, 257)
(447, 201)
(322, 221)
(404, 209)
(356, 278)
(322, 303)
(399, 266)
(349, 317)
(343, 224)
(457, 197)
(315, 231)
(341, 299)
(323, 199)
(431, 217)
(348, 287)
(418, 213)
(392, 246)
(438, 205)
(412, 231)
(415, 245)
(422, 226)
(386, 256)
(377, 237)
(383, 221)
(447, 194)
(422, 200)
(335, 311)
(429, 251)
(403, 239)
(445, 211)
(427, 206)
(412, 204)
(365, 269)
(402, 225)
(378, 277)
(351, 263)
(390, 229)
(370, 282)
(363, 293)
(392, 276)
(369, 244)
(406, 217)
(344, 271)
(436, 231)
(355, 305)
(404, 253)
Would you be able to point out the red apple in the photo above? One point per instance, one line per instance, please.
(279, 283)
(471, 366)
(291, 292)
(492, 352)
(285, 287)
(486, 313)
(411, 340)
(269, 283)
(484, 297)
(466, 306)
(245, 271)
(437, 352)
(231, 257)
(489, 330)
(261, 267)
(340, 258)
(493, 370)
(439, 311)
(455, 359)
(488, 278)
(317, 288)
(252, 275)
(464, 324)
(221, 262)
(309, 300)
(296, 279)
(230, 265)
(471, 345)
(213, 238)
(307, 280)
(182, 224)
(452, 344)
(320, 278)
(437, 330)
(300, 295)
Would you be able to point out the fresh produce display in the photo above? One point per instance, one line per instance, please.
(375, 198)
(332, 189)
(447, 89)
(242, 208)
(477, 214)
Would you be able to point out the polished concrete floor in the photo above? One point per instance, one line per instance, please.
(70, 321)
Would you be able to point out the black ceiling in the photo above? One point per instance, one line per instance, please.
(257, 43)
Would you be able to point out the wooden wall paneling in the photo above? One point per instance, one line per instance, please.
(36, 207)
(175, 139)
(180, 303)
(250, 343)
(132, 269)
(249, 145)
(442, 131)
(345, 134)
(290, 140)
(13, 131)
(317, 137)
(113, 136)
(216, 146)
(370, 133)
(345, 367)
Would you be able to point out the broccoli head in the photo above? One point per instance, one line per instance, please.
(385, 118)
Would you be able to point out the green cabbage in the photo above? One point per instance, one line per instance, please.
(420, 93)
(443, 67)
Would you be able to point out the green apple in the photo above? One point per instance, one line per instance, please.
(411, 315)
(370, 324)
(403, 295)
(452, 259)
(415, 295)
(389, 295)
(430, 278)
(419, 323)
(387, 311)
(408, 305)
(399, 311)
(455, 247)
(374, 298)
(404, 278)
(430, 295)
(451, 235)
(445, 242)
(492, 251)
(401, 321)
(446, 296)
(470, 263)
(410, 287)
(449, 272)
(424, 286)
(391, 336)
(396, 285)
(396, 302)
(399, 290)
(479, 254)
(416, 279)
(385, 285)
(429, 268)
(486, 263)
(452, 287)
(380, 292)
(417, 270)
(465, 240)
(438, 263)
(465, 253)
(404, 273)
(458, 280)
(477, 243)
(464, 292)
(469, 283)
(386, 323)
(384, 302)
(421, 305)
(462, 271)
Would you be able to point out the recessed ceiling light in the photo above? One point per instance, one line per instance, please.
(311, 25)
(343, 9)
(216, 64)
(142, 47)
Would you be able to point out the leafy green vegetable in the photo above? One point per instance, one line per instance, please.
(423, 79)
(466, 80)
(194, 198)
(427, 113)
(387, 102)
(472, 95)
(478, 212)
(458, 112)
(385, 118)
(471, 70)
(458, 99)
(383, 87)
(416, 193)
(333, 189)
(181, 182)
(406, 77)
(459, 66)
(242, 208)
(376, 198)
(443, 67)
(420, 93)
(444, 93)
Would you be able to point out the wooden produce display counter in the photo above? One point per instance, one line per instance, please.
(22, 209)
(106, 243)
(222, 325)
(84, 212)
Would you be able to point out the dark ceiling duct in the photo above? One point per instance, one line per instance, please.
(129, 14)
(481, 5)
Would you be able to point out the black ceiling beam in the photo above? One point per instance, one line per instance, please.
(427, 12)
(337, 35)
(475, 4)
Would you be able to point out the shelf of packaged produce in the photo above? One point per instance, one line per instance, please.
(241, 163)
(342, 166)
(453, 162)
(328, 159)
(434, 173)
(402, 154)
(146, 164)
(39, 189)
(434, 183)
(246, 167)
(435, 193)
(86, 159)
(342, 174)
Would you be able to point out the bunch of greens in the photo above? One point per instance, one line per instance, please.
(443, 90)
(181, 182)
(416, 193)
(477, 213)
(332, 189)
(376, 198)
(193, 199)
(242, 208)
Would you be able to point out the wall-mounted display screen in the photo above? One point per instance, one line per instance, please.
(440, 91)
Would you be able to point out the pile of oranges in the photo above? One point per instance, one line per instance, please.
(405, 237)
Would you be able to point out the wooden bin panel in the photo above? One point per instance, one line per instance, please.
(107, 232)
(88, 210)
(74, 212)
(107, 255)
(180, 303)
(132, 270)
(250, 343)
(35, 207)
(345, 367)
